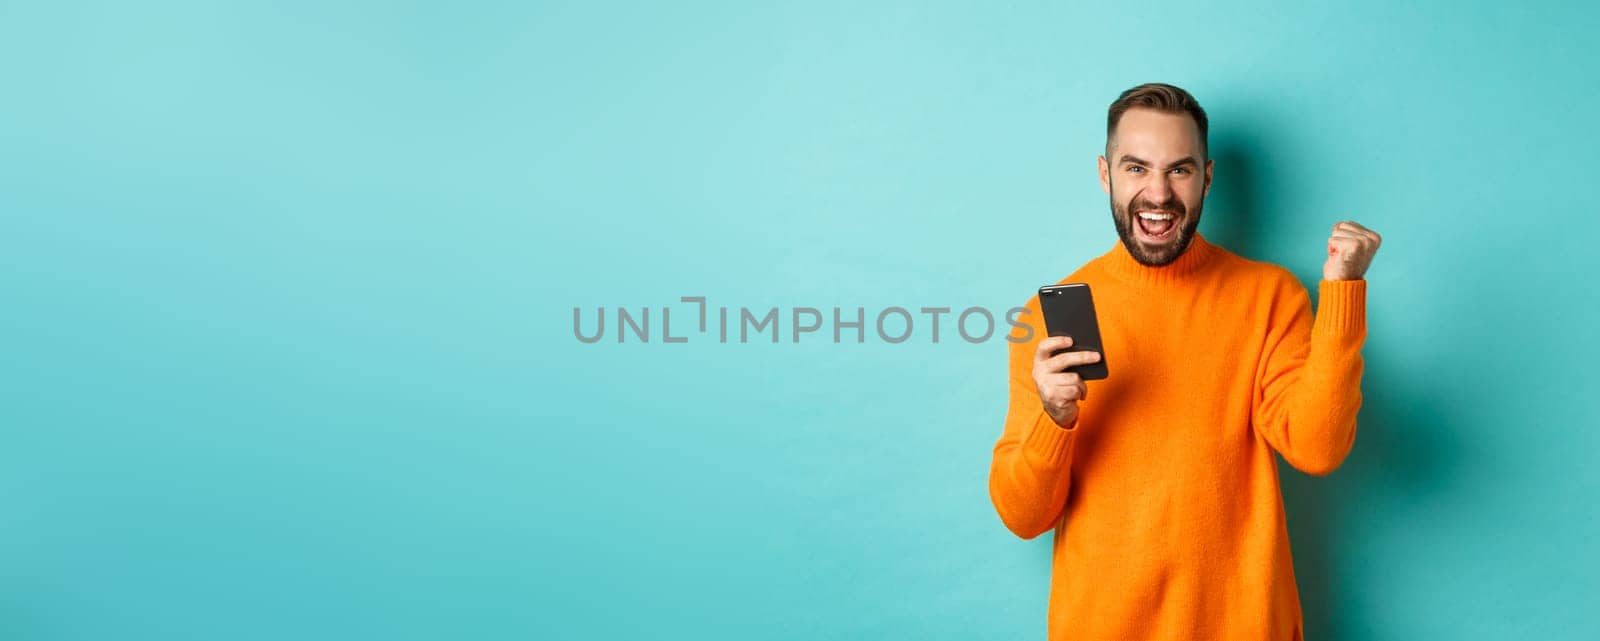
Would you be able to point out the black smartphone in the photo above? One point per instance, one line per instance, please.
(1069, 311)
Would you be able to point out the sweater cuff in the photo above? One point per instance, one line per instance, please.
(1048, 444)
(1341, 307)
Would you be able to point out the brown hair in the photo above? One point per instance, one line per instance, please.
(1160, 97)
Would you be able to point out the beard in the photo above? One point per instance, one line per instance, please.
(1163, 254)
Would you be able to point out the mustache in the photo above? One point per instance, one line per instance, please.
(1170, 206)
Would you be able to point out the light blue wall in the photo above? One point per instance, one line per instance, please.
(288, 294)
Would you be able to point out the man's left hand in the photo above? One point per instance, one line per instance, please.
(1350, 251)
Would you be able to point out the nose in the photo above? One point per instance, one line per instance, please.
(1159, 188)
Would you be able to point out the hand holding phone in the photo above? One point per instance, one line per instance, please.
(1070, 354)
(1059, 388)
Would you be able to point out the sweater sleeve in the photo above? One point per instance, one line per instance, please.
(1309, 387)
(1030, 474)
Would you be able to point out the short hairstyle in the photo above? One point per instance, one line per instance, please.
(1160, 97)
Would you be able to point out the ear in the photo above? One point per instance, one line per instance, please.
(1105, 175)
(1207, 192)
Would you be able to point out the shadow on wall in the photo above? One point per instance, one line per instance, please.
(1403, 452)
(1231, 211)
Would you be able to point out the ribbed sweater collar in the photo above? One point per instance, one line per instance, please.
(1194, 260)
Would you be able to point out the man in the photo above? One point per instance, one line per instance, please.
(1161, 484)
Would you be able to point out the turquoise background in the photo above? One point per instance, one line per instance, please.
(288, 290)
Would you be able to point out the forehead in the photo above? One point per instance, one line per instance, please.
(1156, 136)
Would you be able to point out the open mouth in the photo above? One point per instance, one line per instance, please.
(1156, 226)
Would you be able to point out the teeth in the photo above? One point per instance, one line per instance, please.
(1154, 216)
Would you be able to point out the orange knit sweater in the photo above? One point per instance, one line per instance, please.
(1164, 497)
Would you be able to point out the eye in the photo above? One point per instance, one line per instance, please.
(1135, 169)
(1181, 170)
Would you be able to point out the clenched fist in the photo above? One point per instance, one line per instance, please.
(1350, 251)
(1060, 390)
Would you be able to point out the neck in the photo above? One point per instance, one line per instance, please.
(1193, 260)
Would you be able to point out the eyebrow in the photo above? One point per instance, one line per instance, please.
(1186, 160)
